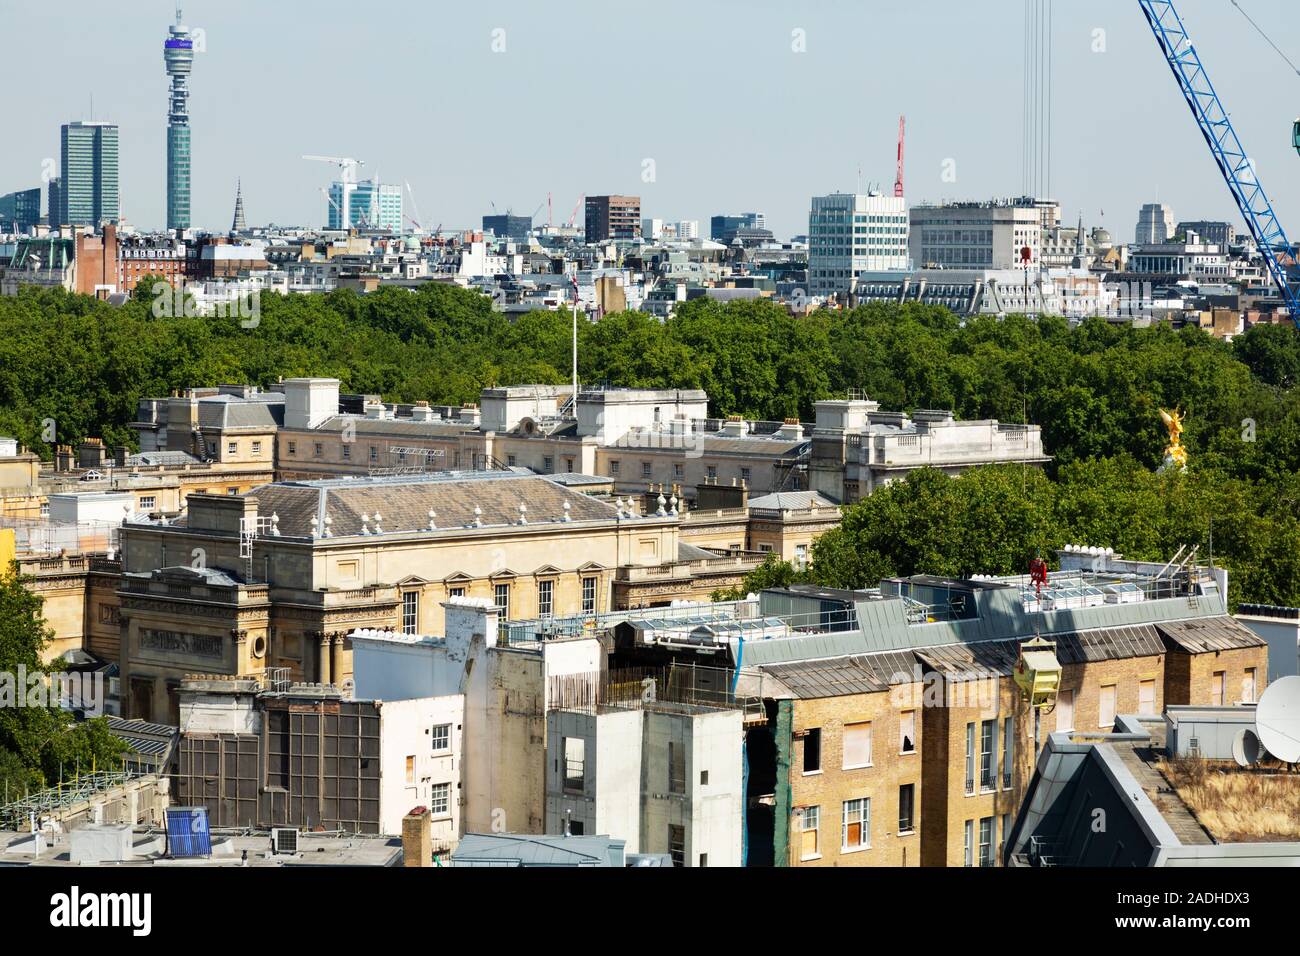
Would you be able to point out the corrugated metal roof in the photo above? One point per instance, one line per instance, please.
(1210, 634)
(827, 678)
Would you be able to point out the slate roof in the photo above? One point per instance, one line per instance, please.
(404, 502)
(793, 501)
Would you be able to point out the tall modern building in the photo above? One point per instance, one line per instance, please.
(21, 210)
(178, 56)
(87, 194)
(613, 217)
(507, 226)
(849, 235)
(1155, 224)
(723, 228)
(371, 205)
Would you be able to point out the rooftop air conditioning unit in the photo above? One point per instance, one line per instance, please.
(284, 841)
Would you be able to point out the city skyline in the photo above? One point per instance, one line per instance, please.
(477, 139)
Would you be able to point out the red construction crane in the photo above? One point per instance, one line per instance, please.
(898, 180)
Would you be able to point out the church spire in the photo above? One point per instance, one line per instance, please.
(239, 225)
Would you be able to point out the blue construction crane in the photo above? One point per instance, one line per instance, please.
(1237, 169)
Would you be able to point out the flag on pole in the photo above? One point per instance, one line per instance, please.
(573, 281)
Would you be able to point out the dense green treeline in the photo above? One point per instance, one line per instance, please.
(1094, 389)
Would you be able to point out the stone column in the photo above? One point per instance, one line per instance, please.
(240, 638)
(336, 656)
(323, 670)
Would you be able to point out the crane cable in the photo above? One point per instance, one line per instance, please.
(1267, 38)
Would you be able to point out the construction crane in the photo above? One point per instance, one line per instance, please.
(898, 179)
(576, 206)
(410, 192)
(1236, 167)
(347, 176)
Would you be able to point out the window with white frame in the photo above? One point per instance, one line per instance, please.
(970, 757)
(968, 844)
(440, 738)
(1147, 697)
(440, 799)
(501, 598)
(988, 770)
(907, 732)
(148, 502)
(809, 820)
(410, 612)
(1008, 750)
(588, 595)
(986, 841)
(545, 598)
(857, 745)
(856, 826)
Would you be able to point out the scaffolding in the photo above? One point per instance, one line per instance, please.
(26, 814)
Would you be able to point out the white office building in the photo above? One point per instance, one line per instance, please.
(981, 235)
(851, 234)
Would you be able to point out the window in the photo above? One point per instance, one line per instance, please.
(410, 612)
(676, 767)
(678, 470)
(986, 841)
(257, 448)
(232, 447)
(988, 770)
(1106, 707)
(319, 449)
(545, 598)
(968, 842)
(293, 448)
(575, 764)
(744, 475)
(1065, 710)
(588, 595)
(704, 859)
(568, 464)
(677, 844)
(410, 769)
(510, 461)
(970, 758)
(501, 595)
(613, 469)
(548, 465)
(148, 502)
(704, 778)
(809, 822)
(455, 592)
(1217, 690)
(440, 738)
(1248, 686)
(1008, 751)
(801, 556)
(646, 469)
(440, 799)
(232, 491)
(765, 548)
(856, 827)
(906, 808)
(1146, 697)
(907, 732)
(812, 751)
(857, 745)
(712, 472)
(347, 450)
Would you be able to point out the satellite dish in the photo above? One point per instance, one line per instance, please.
(1277, 719)
(1246, 748)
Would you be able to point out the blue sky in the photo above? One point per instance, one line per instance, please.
(585, 92)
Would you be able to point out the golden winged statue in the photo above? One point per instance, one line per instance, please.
(1175, 453)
